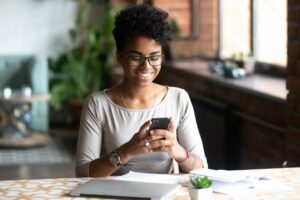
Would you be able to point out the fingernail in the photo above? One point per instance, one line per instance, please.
(151, 132)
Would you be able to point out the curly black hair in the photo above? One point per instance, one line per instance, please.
(141, 20)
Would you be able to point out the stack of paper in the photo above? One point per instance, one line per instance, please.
(152, 178)
(225, 181)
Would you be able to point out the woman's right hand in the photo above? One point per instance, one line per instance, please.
(136, 145)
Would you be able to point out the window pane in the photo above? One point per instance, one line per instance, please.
(234, 28)
(270, 31)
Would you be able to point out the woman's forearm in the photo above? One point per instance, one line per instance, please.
(101, 167)
(191, 163)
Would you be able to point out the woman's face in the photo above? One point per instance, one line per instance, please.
(137, 70)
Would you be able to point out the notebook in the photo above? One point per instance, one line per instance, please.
(121, 189)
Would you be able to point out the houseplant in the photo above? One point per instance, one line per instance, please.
(201, 188)
(85, 68)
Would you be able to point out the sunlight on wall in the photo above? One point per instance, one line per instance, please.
(35, 27)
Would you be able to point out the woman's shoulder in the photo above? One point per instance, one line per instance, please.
(96, 97)
(176, 91)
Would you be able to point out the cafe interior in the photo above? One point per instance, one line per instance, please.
(239, 61)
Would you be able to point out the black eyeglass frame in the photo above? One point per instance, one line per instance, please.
(144, 58)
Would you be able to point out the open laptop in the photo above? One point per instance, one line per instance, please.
(120, 189)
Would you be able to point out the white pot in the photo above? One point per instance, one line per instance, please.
(200, 194)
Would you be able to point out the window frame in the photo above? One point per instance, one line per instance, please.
(260, 67)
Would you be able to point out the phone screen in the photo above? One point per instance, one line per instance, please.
(159, 123)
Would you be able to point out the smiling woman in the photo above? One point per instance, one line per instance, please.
(114, 132)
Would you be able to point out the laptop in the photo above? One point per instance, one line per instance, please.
(120, 189)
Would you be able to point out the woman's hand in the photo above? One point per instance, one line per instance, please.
(137, 145)
(166, 141)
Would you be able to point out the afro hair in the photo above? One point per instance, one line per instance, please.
(141, 20)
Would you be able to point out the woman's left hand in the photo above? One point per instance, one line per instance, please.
(162, 140)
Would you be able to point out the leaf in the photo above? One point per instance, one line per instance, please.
(86, 68)
(200, 182)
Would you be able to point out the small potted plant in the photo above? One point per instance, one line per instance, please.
(201, 187)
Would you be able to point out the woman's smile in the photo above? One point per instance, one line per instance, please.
(145, 76)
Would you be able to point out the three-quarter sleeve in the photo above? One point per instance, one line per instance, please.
(187, 130)
(89, 137)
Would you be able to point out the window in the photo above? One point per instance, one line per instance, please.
(256, 27)
(234, 28)
(270, 31)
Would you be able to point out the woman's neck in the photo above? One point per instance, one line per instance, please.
(138, 97)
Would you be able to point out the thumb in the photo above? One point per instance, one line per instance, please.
(144, 128)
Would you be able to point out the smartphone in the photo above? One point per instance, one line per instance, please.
(159, 123)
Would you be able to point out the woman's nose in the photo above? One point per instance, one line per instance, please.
(146, 63)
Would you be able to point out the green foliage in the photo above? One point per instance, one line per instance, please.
(85, 69)
(175, 28)
(200, 182)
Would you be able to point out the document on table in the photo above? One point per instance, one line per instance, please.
(225, 181)
(153, 178)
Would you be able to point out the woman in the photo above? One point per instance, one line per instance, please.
(114, 131)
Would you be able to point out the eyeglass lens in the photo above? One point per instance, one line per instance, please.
(137, 60)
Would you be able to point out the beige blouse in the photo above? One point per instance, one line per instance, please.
(105, 126)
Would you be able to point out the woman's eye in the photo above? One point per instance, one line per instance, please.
(137, 58)
(154, 58)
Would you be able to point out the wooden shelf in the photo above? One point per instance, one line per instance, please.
(34, 140)
(22, 99)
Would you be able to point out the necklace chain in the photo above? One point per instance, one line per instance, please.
(154, 99)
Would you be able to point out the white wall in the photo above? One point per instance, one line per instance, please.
(36, 26)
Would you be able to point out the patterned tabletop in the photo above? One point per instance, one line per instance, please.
(59, 188)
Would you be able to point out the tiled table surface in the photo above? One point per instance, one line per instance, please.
(59, 188)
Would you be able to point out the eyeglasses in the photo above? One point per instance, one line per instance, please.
(138, 60)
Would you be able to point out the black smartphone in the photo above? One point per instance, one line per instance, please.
(159, 123)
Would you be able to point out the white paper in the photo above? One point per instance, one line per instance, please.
(152, 178)
(245, 186)
(229, 182)
(221, 175)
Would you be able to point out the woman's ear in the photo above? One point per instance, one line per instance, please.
(119, 57)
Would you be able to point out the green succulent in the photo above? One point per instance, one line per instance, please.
(200, 182)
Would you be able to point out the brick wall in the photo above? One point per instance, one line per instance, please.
(178, 10)
(293, 82)
(205, 43)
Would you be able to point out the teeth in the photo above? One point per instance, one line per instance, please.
(145, 74)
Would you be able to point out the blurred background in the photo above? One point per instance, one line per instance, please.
(238, 59)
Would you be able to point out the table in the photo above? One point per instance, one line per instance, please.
(59, 188)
